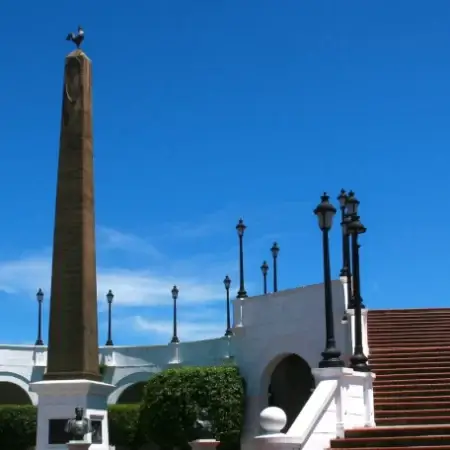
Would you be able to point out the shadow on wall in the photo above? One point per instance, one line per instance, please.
(290, 386)
(11, 394)
(132, 394)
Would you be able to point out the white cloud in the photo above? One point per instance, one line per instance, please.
(188, 330)
(109, 238)
(130, 287)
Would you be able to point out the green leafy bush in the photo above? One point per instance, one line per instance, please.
(123, 425)
(173, 398)
(17, 427)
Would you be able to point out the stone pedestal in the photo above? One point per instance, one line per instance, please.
(204, 444)
(57, 402)
(77, 445)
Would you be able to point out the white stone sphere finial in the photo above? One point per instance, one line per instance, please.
(272, 420)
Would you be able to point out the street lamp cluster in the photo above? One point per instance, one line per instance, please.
(325, 212)
(351, 229)
(275, 249)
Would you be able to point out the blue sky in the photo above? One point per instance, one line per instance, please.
(206, 111)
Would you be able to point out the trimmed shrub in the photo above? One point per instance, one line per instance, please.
(173, 398)
(17, 427)
(123, 426)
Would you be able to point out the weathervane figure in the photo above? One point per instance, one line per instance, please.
(78, 38)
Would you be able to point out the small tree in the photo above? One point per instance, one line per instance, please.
(173, 398)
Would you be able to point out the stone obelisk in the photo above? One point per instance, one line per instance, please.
(73, 341)
(72, 378)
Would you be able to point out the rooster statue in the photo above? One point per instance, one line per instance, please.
(78, 38)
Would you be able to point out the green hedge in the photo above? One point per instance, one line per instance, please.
(166, 417)
(18, 426)
(173, 398)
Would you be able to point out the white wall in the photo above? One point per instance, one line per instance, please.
(273, 326)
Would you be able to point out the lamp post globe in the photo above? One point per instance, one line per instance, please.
(325, 212)
(352, 204)
(110, 297)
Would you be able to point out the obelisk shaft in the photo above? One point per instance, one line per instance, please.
(73, 339)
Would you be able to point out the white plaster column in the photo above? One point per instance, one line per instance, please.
(365, 340)
(338, 374)
(175, 360)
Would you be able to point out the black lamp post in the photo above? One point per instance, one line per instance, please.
(352, 204)
(40, 300)
(109, 299)
(331, 355)
(275, 250)
(342, 198)
(240, 227)
(227, 284)
(265, 270)
(175, 339)
(358, 360)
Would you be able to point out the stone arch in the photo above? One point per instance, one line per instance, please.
(132, 394)
(14, 389)
(287, 383)
(129, 387)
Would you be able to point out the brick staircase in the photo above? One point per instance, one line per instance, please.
(410, 354)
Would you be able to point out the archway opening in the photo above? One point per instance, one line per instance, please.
(11, 394)
(290, 387)
(132, 394)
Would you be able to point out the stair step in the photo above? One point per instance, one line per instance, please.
(416, 447)
(412, 396)
(407, 345)
(374, 340)
(404, 370)
(411, 382)
(400, 377)
(440, 361)
(418, 430)
(401, 321)
(398, 349)
(395, 333)
(410, 412)
(409, 391)
(402, 421)
(411, 404)
(391, 441)
(419, 358)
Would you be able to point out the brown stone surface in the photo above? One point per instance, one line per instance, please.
(73, 339)
(409, 353)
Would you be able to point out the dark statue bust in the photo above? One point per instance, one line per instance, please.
(79, 426)
(203, 426)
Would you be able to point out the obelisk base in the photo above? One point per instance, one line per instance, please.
(204, 444)
(77, 445)
(57, 400)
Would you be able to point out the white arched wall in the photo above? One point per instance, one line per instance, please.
(22, 382)
(126, 382)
